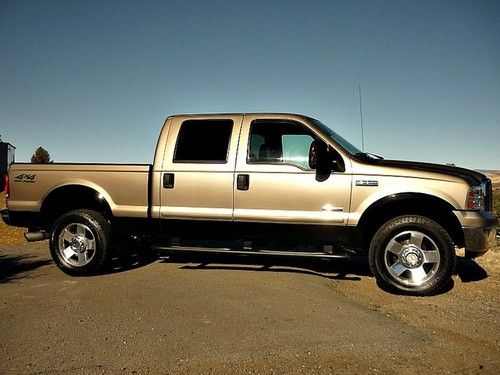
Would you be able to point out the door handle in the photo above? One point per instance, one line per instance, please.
(243, 182)
(168, 180)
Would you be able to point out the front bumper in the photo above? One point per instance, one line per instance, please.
(480, 229)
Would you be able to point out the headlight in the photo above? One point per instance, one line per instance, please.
(475, 198)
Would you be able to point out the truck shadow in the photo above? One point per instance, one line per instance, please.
(17, 267)
(127, 258)
(337, 269)
(130, 257)
(352, 269)
(469, 271)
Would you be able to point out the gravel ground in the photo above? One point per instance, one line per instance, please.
(203, 316)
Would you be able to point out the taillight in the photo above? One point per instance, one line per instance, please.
(475, 198)
(6, 188)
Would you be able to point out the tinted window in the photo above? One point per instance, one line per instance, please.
(202, 141)
(280, 142)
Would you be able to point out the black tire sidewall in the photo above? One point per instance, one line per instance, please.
(430, 228)
(101, 231)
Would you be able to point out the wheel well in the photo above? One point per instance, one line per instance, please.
(410, 204)
(71, 197)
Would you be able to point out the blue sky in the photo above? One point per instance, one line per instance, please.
(92, 81)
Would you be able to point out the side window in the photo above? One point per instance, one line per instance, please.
(296, 149)
(279, 142)
(203, 141)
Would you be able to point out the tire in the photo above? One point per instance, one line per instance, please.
(412, 255)
(80, 243)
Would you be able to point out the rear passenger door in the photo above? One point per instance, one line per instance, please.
(198, 168)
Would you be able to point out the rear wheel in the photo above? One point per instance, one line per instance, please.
(412, 254)
(80, 242)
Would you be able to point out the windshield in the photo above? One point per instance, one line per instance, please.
(353, 150)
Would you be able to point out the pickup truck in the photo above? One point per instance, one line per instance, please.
(262, 184)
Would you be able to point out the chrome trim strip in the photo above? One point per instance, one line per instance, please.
(366, 183)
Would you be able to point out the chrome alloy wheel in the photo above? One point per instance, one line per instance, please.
(412, 258)
(76, 244)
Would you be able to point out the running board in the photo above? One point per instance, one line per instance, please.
(213, 250)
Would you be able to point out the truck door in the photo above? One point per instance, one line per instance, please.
(274, 182)
(198, 168)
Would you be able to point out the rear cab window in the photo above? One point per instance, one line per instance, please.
(203, 141)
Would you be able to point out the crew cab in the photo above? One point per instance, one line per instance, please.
(260, 183)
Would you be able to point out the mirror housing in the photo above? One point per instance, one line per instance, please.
(322, 158)
(317, 150)
(338, 165)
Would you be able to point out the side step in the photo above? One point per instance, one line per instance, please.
(214, 250)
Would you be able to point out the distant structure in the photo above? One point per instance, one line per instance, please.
(7, 157)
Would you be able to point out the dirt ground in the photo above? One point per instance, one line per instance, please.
(204, 316)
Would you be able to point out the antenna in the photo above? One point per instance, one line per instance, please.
(361, 118)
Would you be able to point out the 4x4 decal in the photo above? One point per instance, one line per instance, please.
(27, 178)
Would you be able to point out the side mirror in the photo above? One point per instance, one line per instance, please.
(338, 165)
(322, 158)
(317, 152)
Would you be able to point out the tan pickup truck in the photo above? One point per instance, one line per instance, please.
(268, 184)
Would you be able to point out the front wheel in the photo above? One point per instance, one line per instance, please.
(412, 255)
(80, 242)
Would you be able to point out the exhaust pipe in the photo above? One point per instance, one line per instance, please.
(36, 236)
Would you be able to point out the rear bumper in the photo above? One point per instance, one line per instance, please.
(479, 230)
(6, 217)
(20, 218)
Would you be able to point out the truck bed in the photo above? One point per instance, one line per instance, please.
(123, 186)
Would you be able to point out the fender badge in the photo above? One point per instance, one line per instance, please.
(366, 183)
(26, 178)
